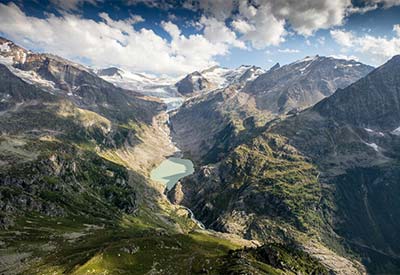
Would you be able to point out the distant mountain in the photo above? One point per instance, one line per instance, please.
(216, 78)
(143, 83)
(303, 83)
(74, 82)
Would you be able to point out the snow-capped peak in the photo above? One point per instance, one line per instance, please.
(222, 77)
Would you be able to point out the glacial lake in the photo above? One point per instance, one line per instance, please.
(171, 170)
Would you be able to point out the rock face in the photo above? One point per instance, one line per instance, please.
(192, 83)
(115, 72)
(331, 170)
(303, 83)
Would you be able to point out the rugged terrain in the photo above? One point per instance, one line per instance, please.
(75, 193)
(325, 179)
(222, 114)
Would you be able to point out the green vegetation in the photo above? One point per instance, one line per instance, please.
(86, 246)
(270, 166)
(272, 259)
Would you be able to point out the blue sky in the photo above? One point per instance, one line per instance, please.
(177, 37)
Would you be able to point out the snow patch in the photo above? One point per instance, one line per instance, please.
(30, 77)
(396, 131)
(6, 60)
(222, 77)
(373, 146)
(5, 47)
(374, 132)
(23, 58)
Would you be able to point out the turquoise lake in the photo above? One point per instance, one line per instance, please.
(171, 170)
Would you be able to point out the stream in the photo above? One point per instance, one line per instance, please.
(171, 170)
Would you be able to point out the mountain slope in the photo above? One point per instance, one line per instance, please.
(208, 123)
(325, 178)
(303, 83)
(355, 144)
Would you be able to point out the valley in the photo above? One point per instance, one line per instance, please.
(76, 191)
(291, 170)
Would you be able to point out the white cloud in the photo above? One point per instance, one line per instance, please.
(217, 32)
(307, 16)
(385, 3)
(369, 5)
(266, 29)
(343, 38)
(288, 51)
(116, 43)
(396, 28)
(72, 5)
(265, 22)
(375, 48)
(242, 26)
(345, 57)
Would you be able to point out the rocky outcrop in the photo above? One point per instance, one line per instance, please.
(192, 83)
(112, 71)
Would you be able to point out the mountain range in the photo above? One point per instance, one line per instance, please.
(296, 168)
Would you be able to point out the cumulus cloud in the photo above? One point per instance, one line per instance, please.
(264, 28)
(242, 26)
(217, 32)
(116, 43)
(263, 23)
(375, 48)
(220, 9)
(307, 16)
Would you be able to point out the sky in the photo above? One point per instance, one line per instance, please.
(178, 37)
